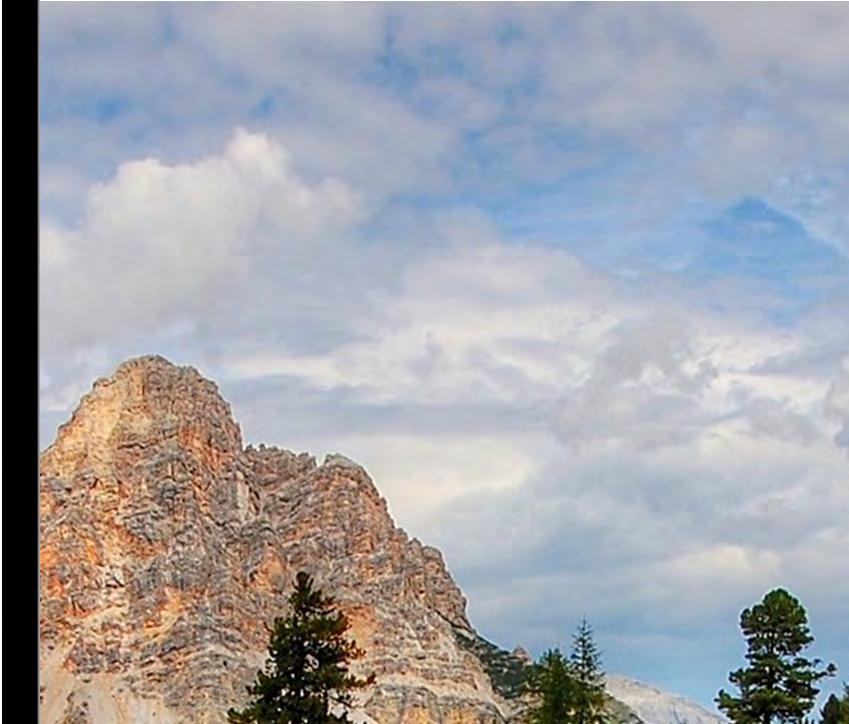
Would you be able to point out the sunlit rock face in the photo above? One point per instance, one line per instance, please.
(167, 547)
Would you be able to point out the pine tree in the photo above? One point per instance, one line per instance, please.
(306, 674)
(836, 710)
(779, 682)
(552, 684)
(585, 661)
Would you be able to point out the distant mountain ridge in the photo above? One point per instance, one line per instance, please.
(655, 706)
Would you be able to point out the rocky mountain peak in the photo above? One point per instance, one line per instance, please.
(167, 548)
(147, 404)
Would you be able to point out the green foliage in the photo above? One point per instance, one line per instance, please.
(552, 682)
(569, 691)
(586, 669)
(836, 710)
(306, 673)
(508, 674)
(779, 682)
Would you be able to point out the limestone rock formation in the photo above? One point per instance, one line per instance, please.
(166, 547)
(654, 706)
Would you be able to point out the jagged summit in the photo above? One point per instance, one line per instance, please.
(159, 372)
(155, 367)
(147, 361)
(147, 403)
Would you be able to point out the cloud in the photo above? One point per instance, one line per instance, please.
(462, 323)
(674, 542)
(644, 386)
(721, 565)
(611, 365)
(837, 403)
(184, 79)
(162, 242)
(687, 446)
(708, 105)
(463, 243)
(705, 470)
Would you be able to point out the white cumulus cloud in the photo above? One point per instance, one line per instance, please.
(161, 242)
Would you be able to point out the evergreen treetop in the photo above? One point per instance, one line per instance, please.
(306, 678)
(569, 691)
(552, 682)
(586, 668)
(836, 710)
(779, 683)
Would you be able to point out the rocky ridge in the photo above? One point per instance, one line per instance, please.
(166, 547)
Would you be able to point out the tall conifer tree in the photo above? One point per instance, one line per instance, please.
(778, 685)
(306, 678)
(585, 661)
(569, 691)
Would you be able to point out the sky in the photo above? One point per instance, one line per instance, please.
(570, 280)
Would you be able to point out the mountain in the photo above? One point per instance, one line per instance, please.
(654, 706)
(167, 547)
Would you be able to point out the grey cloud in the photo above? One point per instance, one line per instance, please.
(682, 547)
(621, 400)
(842, 437)
(836, 403)
(260, 406)
(770, 418)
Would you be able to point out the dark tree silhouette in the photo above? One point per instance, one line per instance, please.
(836, 709)
(306, 678)
(779, 682)
(569, 691)
(585, 661)
(553, 686)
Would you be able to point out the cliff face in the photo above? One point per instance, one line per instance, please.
(166, 549)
